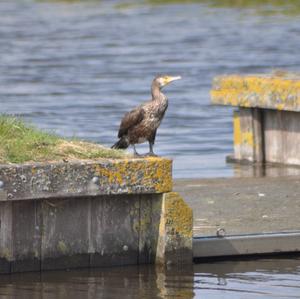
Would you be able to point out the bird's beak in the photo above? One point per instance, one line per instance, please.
(168, 79)
(171, 79)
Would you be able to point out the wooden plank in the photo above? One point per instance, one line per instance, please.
(26, 236)
(6, 251)
(246, 134)
(150, 213)
(237, 138)
(65, 235)
(115, 231)
(257, 118)
(282, 137)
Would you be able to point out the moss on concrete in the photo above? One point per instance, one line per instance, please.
(20, 142)
(280, 91)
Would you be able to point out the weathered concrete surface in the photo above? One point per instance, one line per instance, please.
(242, 205)
(275, 91)
(86, 178)
(175, 231)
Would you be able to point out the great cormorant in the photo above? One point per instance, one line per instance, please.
(140, 124)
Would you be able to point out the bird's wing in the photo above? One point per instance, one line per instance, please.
(130, 120)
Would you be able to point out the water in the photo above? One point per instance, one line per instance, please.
(269, 278)
(76, 67)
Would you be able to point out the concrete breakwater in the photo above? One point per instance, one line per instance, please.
(91, 214)
(266, 125)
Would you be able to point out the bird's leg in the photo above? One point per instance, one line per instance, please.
(151, 153)
(136, 154)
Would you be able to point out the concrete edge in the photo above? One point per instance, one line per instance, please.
(85, 178)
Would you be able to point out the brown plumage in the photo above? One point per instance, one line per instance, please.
(140, 124)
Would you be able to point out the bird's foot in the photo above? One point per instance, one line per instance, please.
(150, 154)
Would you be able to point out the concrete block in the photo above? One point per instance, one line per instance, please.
(175, 231)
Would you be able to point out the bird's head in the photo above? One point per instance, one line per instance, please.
(163, 80)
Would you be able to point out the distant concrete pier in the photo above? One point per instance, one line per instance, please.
(267, 123)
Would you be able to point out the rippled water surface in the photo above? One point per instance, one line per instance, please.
(76, 67)
(263, 279)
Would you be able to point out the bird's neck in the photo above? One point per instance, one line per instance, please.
(157, 95)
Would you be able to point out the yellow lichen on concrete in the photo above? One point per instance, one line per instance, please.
(156, 173)
(247, 138)
(6, 254)
(178, 215)
(237, 136)
(273, 91)
(62, 247)
(240, 136)
(175, 239)
(162, 172)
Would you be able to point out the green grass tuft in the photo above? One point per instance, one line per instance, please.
(20, 142)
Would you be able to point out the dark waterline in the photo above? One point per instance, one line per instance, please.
(266, 278)
(76, 67)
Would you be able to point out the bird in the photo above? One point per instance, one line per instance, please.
(141, 123)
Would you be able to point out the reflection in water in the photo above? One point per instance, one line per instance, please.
(267, 278)
(126, 282)
(268, 170)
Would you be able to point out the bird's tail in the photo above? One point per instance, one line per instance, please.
(121, 144)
